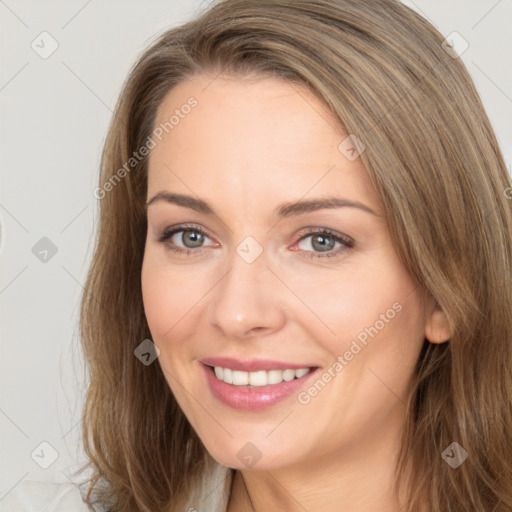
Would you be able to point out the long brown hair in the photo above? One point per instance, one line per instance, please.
(434, 160)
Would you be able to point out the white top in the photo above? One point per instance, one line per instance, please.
(211, 495)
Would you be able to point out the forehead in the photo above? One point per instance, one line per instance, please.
(261, 138)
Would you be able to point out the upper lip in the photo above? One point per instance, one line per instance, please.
(252, 365)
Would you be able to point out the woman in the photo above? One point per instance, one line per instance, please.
(300, 294)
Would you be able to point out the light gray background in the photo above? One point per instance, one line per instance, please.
(54, 117)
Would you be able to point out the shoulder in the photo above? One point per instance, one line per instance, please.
(32, 496)
(212, 492)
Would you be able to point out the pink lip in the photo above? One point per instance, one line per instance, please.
(253, 398)
(253, 365)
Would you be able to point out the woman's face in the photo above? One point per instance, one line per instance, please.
(263, 289)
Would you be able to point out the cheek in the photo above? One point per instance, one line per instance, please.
(341, 305)
(164, 302)
(167, 295)
(154, 297)
(162, 297)
(378, 310)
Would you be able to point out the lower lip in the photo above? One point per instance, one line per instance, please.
(254, 398)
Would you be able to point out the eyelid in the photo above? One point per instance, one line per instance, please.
(312, 230)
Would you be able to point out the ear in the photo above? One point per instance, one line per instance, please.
(437, 328)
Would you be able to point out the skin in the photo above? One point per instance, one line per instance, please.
(249, 145)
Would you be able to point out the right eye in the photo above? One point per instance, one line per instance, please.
(190, 234)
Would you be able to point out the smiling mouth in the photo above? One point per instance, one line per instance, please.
(258, 378)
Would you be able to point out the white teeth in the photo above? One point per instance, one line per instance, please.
(274, 377)
(258, 378)
(288, 375)
(300, 373)
(228, 376)
(240, 378)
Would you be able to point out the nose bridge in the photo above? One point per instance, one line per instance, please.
(245, 299)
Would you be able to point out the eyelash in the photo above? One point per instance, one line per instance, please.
(169, 233)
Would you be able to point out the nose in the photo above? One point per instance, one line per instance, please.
(248, 300)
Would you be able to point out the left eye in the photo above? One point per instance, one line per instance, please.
(325, 240)
(321, 241)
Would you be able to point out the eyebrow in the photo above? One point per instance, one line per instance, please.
(284, 210)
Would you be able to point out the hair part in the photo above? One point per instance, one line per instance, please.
(434, 160)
